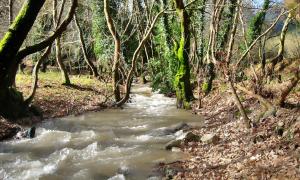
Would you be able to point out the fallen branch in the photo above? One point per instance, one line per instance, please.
(269, 110)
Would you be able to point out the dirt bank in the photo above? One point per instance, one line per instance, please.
(268, 151)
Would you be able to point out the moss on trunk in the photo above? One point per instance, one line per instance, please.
(11, 101)
(182, 80)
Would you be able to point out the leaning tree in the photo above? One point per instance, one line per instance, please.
(12, 104)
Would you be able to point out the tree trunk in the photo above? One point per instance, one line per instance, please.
(182, 80)
(280, 52)
(10, 19)
(223, 36)
(114, 33)
(227, 73)
(12, 102)
(134, 60)
(59, 61)
(239, 104)
(166, 25)
(35, 76)
(289, 87)
(84, 50)
(200, 53)
(210, 58)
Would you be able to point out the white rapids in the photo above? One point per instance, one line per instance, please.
(111, 144)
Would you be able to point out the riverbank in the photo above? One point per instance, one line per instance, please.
(54, 100)
(268, 151)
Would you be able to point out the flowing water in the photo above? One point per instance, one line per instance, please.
(111, 144)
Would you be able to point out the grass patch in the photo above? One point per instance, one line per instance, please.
(55, 99)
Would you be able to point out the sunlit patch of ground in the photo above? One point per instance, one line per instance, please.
(55, 99)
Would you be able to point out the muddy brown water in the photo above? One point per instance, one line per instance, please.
(112, 144)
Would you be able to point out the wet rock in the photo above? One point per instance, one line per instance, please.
(30, 133)
(179, 134)
(7, 129)
(191, 137)
(170, 173)
(210, 138)
(176, 128)
(171, 130)
(124, 170)
(184, 138)
(279, 128)
(173, 143)
(181, 126)
(176, 149)
(172, 170)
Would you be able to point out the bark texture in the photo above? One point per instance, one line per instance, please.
(182, 80)
(117, 52)
(11, 101)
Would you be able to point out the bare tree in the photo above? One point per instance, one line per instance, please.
(56, 22)
(117, 53)
(84, 49)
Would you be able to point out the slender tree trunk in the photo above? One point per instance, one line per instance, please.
(167, 29)
(134, 60)
(35, 76)
(202, 27)
(210, 58)
(228, 74)
(280, 52)
(200, 53)
(227, 25)
(84, 49)
(10, 19)
(60, 63)
(182, 80)
(114, 33)
(239, 103)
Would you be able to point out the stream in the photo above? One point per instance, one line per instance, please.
(111, 144)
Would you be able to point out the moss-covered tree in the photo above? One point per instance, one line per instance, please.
(12, 102)
(182, 80)
(226, 25)
(256, 23)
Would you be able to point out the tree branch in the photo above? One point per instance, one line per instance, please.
(47, 42)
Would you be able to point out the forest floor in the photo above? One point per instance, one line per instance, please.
(56, 100)
(263, 152)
